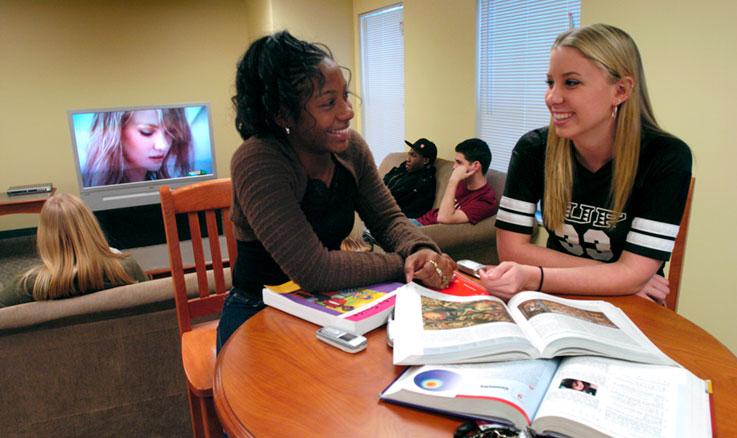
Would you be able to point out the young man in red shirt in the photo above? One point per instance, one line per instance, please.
(468, 197)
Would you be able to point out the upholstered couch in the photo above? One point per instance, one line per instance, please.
(106, 364)
(461, 241)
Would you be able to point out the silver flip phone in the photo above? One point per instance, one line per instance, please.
(470, 267)
(339, 338)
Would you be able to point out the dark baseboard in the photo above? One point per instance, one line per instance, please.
(23, 232)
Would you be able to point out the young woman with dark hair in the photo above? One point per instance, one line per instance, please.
(298, 179)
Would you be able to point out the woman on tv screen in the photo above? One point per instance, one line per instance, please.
(131, 146)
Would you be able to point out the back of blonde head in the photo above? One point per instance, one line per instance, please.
(616, 54)
(75, 254)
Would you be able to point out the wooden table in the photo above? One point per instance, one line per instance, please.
(274, 378)
(31, 203)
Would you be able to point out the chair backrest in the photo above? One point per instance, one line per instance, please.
(205, 199)
(676, 259)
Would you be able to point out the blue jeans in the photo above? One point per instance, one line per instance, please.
(237, 309)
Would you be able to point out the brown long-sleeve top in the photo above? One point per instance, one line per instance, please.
(268, 185)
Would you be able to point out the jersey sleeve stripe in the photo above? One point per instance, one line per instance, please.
(517, 205)
(651, 242)
(514, 218)
(654, 227)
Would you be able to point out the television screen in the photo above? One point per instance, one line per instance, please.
(122, 155)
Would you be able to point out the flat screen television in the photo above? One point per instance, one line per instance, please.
(122, 155)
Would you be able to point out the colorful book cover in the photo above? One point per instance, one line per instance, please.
(345, 302)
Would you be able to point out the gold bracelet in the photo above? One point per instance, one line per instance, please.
(443, 278)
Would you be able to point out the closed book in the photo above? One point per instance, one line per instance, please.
(357, 310)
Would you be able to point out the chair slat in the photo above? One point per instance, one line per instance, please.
(229, 237)
(216, 256)
(199, 254)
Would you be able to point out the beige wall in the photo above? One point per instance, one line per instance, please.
(688, 52)
(439, 66)
(326, 21)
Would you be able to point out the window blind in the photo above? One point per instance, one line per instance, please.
(382, 79)
(514, 43)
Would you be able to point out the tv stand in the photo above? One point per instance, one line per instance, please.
(140, 230)
(133, 227)
(30, 203)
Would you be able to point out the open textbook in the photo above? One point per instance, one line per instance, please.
(582, 396)
(357, 310)
(432, 327)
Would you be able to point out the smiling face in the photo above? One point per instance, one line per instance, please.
(145, 142)
(323, 121)
(580, 98)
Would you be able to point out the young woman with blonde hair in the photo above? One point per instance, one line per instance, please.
(76, 257)
(144, 145)
(612, 184)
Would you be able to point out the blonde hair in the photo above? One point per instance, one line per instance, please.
(615, 53)
(75, 254)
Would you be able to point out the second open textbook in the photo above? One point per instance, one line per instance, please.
(437, 328)
(574, 397)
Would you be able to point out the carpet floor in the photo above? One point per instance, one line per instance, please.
(17, 255)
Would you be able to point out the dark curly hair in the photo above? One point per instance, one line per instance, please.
(277, 71)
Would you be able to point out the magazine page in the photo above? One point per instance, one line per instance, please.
(433, 327)
(503, 392)
(564, 327)
(596, 396)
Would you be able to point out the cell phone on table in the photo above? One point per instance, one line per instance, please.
(342, 339)
(470, 267)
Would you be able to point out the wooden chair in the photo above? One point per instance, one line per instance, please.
(676, 259)
(198, 341)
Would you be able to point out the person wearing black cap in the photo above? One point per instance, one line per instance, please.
(413, 183)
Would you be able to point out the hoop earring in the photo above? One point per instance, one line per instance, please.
(287, 130)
